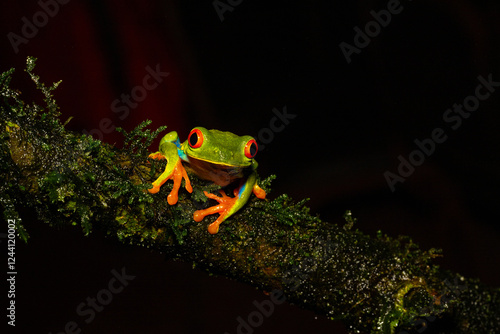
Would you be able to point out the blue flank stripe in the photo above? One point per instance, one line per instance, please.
(177, 143)
(242, 189)
(180, 152)
(182, 155)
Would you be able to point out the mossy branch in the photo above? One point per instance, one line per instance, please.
(374, 284)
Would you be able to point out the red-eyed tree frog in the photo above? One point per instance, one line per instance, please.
(217, 156)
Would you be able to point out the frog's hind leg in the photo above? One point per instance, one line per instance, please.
(229, 205)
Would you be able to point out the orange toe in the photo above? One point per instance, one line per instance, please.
(214, 227)
(172, 198)
(259, 192)
(154, 190)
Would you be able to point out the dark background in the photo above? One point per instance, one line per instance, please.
(352, 122)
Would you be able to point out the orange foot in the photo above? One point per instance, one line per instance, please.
(259, 192)
(226, 203)
(177, 174)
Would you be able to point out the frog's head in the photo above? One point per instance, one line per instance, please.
(221, 148)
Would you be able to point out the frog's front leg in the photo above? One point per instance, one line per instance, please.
(229, 205)
(169, 146)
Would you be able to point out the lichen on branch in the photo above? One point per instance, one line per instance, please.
(375, 284)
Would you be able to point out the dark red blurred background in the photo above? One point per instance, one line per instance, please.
(352, 122)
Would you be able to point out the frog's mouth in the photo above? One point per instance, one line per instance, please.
(220, 174)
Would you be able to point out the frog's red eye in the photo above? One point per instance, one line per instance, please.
(251, 149)
(195, 138)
